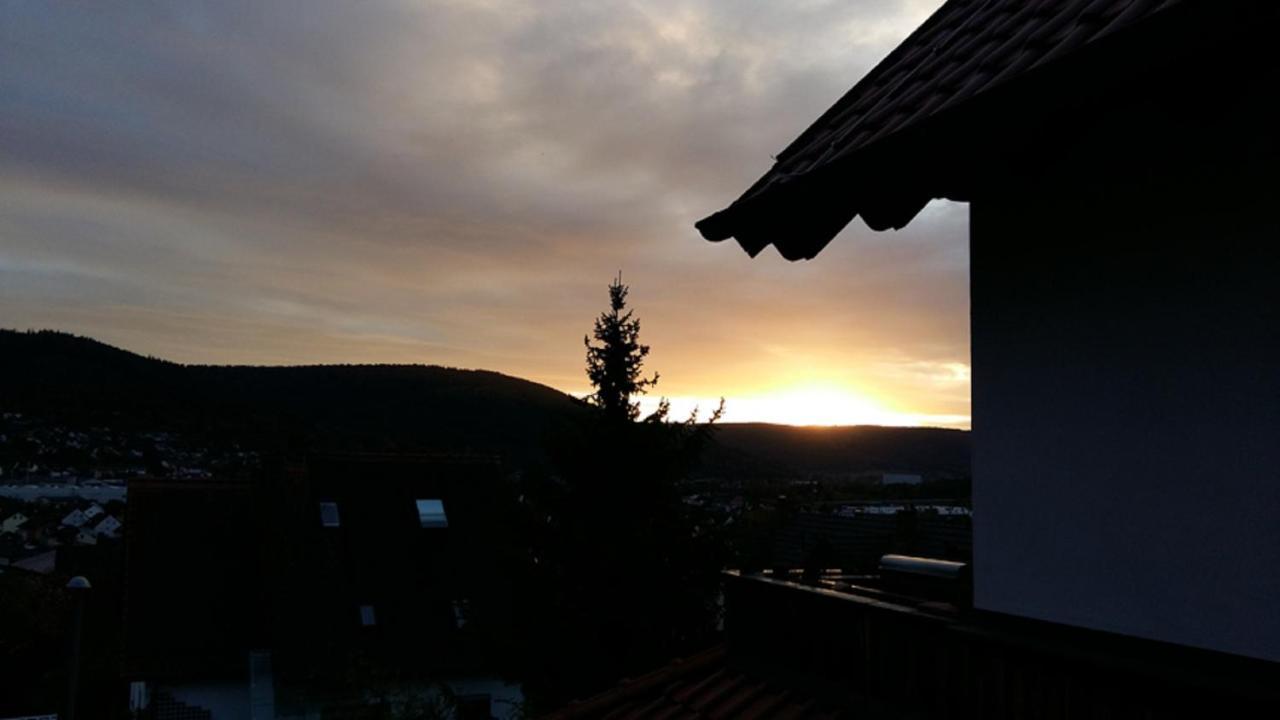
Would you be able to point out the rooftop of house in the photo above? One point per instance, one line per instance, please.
(870, 154)
(191, 578)
(283, 573)
(709, 684)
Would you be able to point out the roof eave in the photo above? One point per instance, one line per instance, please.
(803, 214)
(950, 153)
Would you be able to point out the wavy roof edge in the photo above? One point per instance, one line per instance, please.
(966, 49)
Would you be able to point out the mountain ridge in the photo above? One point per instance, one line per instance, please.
(400, 407)
(350, 407)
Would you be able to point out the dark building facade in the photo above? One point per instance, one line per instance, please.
(334, 583)
(388, 557)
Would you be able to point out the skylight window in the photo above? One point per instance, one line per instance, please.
(329, 514)
(431, 514)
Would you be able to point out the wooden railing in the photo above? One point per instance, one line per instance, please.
(947, 662)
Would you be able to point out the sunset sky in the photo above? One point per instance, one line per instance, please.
(455, 183)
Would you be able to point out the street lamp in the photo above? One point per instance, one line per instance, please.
(78, 587)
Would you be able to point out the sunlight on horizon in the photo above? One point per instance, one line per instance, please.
(811, 405)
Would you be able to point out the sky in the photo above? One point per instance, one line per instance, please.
(456, 183)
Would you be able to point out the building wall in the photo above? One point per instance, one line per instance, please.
(1126, 389)
(224, 701)
(506, 699)
(380, 555)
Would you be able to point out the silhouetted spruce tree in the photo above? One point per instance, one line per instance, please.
(614, 364)
(625, 574)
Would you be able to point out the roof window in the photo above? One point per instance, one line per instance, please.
(329, 514)
(431, 514)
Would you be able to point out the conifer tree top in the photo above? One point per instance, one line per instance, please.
(615, 360)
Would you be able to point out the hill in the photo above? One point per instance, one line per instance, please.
(358, 407)
(84, 382)
(765, 450)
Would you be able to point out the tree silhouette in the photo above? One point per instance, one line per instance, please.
(614, 364)
(624, 574)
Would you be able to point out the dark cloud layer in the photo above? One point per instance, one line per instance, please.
(455, 182)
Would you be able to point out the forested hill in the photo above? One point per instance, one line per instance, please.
(360, 407)
(83, 382)
(765, 450)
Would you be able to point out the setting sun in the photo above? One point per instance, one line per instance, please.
(811, 405)
(817, 404)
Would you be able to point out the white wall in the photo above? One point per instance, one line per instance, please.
(1126, 405)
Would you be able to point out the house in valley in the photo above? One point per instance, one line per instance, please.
(333, 584)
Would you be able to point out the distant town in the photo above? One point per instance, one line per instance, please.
(63, 485)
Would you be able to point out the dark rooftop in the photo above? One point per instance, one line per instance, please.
(733, 681)
(966, 49)
(707, 685)
(838, 646)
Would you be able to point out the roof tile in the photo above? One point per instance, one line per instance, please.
(966, 48)
(708, 686)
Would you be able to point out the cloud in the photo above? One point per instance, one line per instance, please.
(449, 182)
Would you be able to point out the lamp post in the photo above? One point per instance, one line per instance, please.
(78, 587)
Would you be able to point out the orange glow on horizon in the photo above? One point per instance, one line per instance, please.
(812, 404)
(809, 404)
